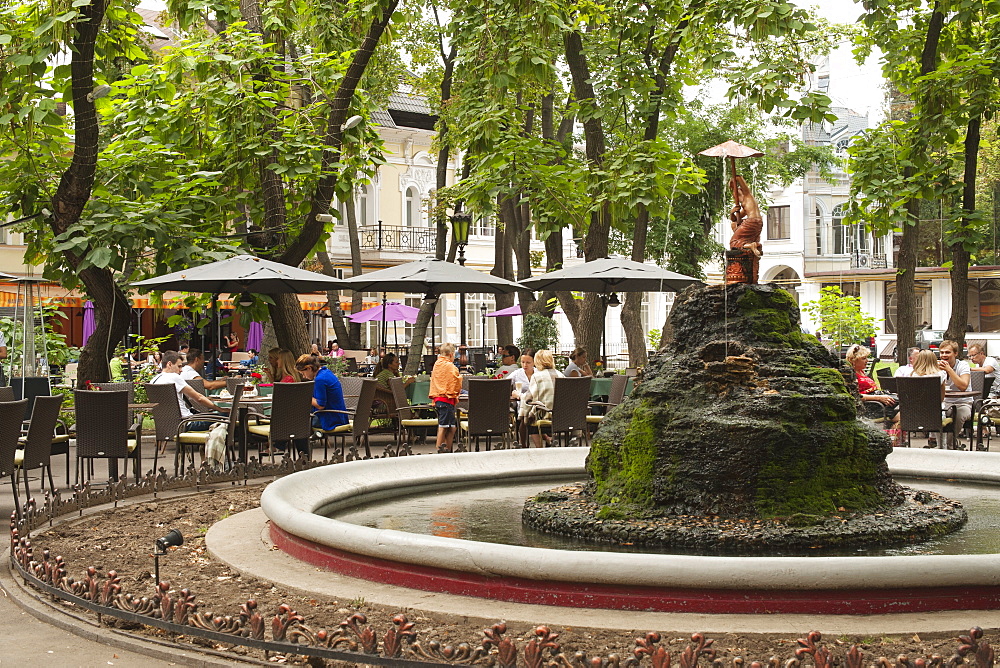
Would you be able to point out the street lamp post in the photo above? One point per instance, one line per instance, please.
(482, 314)
(460, 228)
(609, 300)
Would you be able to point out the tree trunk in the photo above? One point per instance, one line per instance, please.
(959, 255)
(906, 267)
(631, 314)
(590, 321)
(333, 299)
(502, 258)
(289, 324)
(357, 299)
(111, 306)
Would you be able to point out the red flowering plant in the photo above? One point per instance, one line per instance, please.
(501, 374)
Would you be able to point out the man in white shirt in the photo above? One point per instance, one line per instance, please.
(987, 364)
(959, 379)
(906, 370)
(194, 368)
(171, 375)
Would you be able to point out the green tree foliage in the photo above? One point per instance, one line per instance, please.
(841, 320)
(538, 333)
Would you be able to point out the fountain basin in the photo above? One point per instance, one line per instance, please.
(625, 581)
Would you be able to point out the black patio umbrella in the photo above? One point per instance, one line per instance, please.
(241, 274)
(609, 276)
(434, 278)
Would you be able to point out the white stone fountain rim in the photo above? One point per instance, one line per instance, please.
(291, 503)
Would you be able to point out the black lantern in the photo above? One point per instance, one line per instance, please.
(460, 222)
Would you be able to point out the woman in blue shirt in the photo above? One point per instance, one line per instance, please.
(327, 392)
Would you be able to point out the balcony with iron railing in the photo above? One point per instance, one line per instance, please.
(382, 237)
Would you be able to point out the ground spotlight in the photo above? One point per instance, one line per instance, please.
(172, 539)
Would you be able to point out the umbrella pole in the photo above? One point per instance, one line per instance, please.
(384, 328)
(217, 334)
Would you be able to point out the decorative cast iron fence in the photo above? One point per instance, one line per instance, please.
(353, 640)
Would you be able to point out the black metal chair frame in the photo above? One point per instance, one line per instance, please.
(37, 442)
(359, 421)
(11, 416)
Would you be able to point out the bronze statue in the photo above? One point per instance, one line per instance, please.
(746, 219)
(743, 255)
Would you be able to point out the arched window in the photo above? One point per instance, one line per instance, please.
(411, 203)
(839, 230)
(362, 205)
(819, 231)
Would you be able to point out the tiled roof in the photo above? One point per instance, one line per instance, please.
(406, 99)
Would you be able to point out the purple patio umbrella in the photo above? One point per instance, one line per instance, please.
(509, 311)
(394, 312)
(255, 336)
(89, 323)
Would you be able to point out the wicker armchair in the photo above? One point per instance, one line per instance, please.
(103, 431)
(36, 452)
(359, 425)
(489, 412)
(351, 387)
(232, 382)
(170, 425)
(408, 418)
(920, 406)
(291, 418)
(569, 410)
(11, 415)
(7, 393)
(198, 385)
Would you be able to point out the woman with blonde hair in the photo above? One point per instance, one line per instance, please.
(875, 405)
(541, 393)
(284, 368)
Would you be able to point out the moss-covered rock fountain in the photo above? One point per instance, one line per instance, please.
(743, 437)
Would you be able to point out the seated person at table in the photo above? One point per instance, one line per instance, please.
(983, 361)
(251, 361)
(195, 367)
(335, 350)
(875, 405)
(171, 375)
(520, 378)
(389, 368)
(906, 370)
(578, 364)
(509, 357)
(446, 385)
(925, 363)
(118, 367)
(541, 390)
(327, 392)
(959, 379)
(285, 371)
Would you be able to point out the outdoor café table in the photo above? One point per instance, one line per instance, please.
(600, 387)
(962, 394)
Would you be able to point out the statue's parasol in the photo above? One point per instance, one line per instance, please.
(732, 150)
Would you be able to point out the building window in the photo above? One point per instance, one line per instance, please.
(779, 224)
(412, 206)
(839, 231)
(362, 205)
(819, 231)
(483, 226)
(922, 306)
